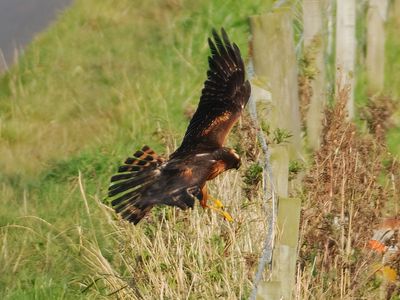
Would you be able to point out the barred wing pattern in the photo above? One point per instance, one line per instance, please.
(223, 97)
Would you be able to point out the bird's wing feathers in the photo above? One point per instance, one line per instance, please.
(146, 180)
(223, 98)
(140, 184)
(133, 177)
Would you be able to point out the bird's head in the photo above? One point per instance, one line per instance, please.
(231, 158)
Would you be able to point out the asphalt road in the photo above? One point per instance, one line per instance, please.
(20, 20)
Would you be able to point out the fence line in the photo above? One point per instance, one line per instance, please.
(268, 183)
(273, 72)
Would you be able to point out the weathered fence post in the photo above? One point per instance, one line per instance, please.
(375, 61)
(314, 52)
(328, 6)
(283, 278)
(346, 48)
(396, 11)
(275, 67)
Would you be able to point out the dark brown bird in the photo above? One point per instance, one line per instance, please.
(146, 179)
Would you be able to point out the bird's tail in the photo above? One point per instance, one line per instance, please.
(127, 187)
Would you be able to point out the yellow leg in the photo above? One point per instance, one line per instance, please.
(219, 208)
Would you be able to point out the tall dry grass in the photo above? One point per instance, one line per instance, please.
(346, 191)
(177, 254)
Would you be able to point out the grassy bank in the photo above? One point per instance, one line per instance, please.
(106, 78)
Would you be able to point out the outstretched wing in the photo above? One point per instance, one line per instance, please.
(223, 98)
(137, 174)
(145, 181)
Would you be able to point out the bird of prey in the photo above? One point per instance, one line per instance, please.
(146, 179)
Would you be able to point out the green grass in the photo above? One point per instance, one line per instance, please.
(106, 78)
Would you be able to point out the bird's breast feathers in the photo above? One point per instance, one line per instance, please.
(217, 168)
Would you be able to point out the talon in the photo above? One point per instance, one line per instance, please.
(217, 203)
(227, 216)
(219, 208)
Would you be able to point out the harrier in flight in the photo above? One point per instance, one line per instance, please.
(146, 179)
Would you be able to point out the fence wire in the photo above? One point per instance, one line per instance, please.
(269, 192)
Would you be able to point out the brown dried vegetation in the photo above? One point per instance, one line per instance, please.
(307, 74)
(244, 138)
(377, 114)
(305, 94)
(345, 192)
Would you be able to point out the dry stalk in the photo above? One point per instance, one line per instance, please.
(344, 197)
